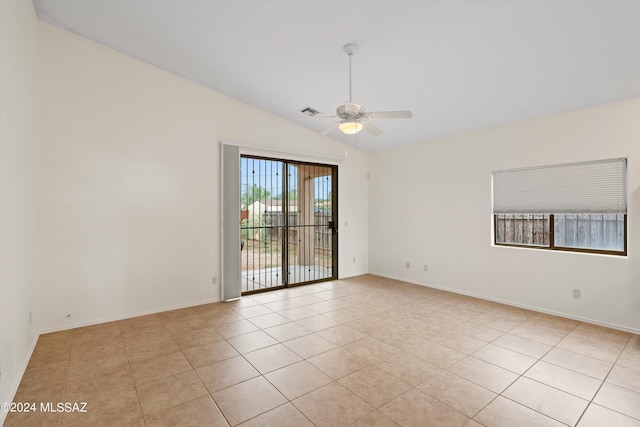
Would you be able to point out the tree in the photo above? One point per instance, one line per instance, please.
(321, 199)
(293, 195)
(253, 192)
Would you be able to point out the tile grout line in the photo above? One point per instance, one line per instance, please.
(209, 393)
(66, 377)
(135, 387)
(590, 401)
(613, 365)
(529, 368)
(363, 312)
(261, 375)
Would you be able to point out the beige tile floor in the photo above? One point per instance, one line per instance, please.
(365, 351)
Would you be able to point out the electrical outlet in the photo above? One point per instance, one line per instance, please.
(345, 223)
(354, 259)
(426, 267)
(214, 280)
(30, 318)
(576, 293)
(407, 265)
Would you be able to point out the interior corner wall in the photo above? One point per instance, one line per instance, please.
(18, 137)
(430, 204)
(130, 178)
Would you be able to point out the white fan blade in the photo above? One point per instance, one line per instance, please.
(370, 129)
(390, 114)
(330, 128)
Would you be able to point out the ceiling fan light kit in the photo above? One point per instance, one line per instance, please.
(350, 128)
(353, 117)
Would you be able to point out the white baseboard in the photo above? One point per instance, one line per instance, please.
(125, 316)
(514, 304)
(14, 388)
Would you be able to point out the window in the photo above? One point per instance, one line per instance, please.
(601, 233)
(580, 207)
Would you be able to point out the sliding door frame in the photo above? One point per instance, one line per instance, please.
(286, 219)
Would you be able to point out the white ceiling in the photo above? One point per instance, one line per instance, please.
(458, 65)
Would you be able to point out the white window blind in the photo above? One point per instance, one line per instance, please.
(231, 281)
(589, 187)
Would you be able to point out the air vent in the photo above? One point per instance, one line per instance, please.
(309, 111)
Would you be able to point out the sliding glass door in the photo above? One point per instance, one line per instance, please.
(288, 217)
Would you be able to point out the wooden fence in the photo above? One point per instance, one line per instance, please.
(594, 231)
(598, 231)
(322, 233)
(523, 229)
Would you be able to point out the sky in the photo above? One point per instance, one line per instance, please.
(268, 174)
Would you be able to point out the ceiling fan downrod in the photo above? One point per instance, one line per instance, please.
(350, 49)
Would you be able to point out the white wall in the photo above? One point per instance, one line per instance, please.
(18, 136)
(431, 204)
(130, 173)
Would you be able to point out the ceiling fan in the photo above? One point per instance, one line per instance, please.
(353, 117)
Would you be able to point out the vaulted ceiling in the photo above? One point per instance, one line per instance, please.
(458, 65)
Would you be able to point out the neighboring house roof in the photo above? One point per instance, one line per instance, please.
(278, 202)
(271, 205)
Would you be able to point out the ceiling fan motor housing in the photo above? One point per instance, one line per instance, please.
(349, 110)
